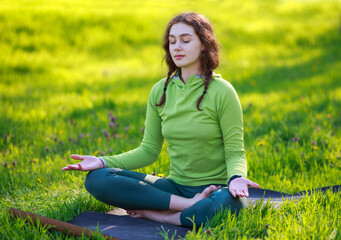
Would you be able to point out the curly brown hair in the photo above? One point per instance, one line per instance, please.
(209, 57)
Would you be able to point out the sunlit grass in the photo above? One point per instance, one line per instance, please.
(65, 65)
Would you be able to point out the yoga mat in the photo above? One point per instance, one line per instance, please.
(125, 227)
(277, 197)
(120, 226)
(117, 223)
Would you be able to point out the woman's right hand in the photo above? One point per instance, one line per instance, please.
(88, 163)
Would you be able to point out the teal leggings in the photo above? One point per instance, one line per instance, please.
(136, 191)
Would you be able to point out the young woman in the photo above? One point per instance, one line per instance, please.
(200, 116)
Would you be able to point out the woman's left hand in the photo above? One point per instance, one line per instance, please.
(239, 187)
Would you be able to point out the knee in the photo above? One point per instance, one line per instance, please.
(95, 179)
(225, 200)
(205, 209)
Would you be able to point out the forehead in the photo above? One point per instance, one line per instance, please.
(180, 29)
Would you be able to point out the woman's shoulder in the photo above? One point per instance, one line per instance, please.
(223, 92)
(221, 85)
(159, 84)
(157, 89)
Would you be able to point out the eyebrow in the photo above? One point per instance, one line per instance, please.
(181, 35)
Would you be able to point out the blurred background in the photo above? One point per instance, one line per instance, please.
(75, 78)
(68, 66)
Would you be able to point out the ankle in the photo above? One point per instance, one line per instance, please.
(173, 218)
(178, 203)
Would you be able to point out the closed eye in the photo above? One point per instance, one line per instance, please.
(182, 41)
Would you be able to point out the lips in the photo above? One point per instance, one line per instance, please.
(178, 57)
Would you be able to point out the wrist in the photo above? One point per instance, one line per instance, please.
(103, 162)
(232, 178)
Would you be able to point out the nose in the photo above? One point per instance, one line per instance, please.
(177, 46)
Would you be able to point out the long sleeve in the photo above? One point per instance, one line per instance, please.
(149, 150)
(205, 147)
(230, 118)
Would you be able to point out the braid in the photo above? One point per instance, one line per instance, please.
(208, 78)
(163, 97)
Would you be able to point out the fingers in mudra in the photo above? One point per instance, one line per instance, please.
(253, 184)
(87, 163)
(72, 167)
(239, 187)
(77, 157)
(241, 193)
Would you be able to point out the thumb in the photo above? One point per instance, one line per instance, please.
(253, 184)
(77, 157)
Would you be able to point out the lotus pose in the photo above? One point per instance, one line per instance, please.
(200, 116)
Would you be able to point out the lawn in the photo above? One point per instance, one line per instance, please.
(67, 66)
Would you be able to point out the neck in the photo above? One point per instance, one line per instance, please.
(186, 73)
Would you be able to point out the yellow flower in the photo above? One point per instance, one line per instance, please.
(318, 116)
(260, 143)
(329, 115)
(61, 132)
(315, 147)
(95, 153)
(161, 175)
(38, 180)
(99, 140)
(35, 160)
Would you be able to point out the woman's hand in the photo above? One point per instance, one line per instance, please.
(239, 187)
(88, 163)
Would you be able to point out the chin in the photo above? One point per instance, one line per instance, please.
(180, 64)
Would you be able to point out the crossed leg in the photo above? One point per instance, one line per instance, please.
(130, 190)
(176, 206)
(157, 198)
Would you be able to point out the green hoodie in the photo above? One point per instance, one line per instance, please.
(205, 147)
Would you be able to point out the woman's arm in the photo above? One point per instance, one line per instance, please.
(150, 148)
(144, 155)
(230, 117)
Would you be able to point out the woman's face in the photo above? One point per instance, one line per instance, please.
(185, 46)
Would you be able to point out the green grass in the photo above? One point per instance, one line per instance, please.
(66, 64)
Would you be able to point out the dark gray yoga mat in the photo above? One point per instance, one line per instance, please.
(121, 226)
(125, 227)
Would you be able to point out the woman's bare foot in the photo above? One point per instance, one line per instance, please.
(167, 216)
(207, 192)
(178, 203)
